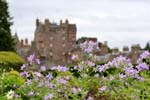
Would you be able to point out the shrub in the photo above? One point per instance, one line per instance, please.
(10, 81)
(10, 60)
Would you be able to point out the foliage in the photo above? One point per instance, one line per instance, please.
(9, 61)
(84, 80)
(147, 47)
(6, 40)
(10, 81)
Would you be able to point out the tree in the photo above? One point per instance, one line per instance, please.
(6, 40)
(147, 47)
(81, 40)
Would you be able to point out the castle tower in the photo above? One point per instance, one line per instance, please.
(54, 40)
(22, 43)
(37, 22)
(26, 41)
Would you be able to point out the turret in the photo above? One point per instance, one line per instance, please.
(67, 22)
(60, 22)
(135, 48)
(115, 50)
(26, 41)
(46, 25)
(37, 22)
(22, 43)
(47, 22)
(125, 49)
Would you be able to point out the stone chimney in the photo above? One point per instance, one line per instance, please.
(67, 22)
(135, 48)
(115, 50)
(60, 22)
(125, 49)
(104, 48)
(26, 41)
(47, 23)
(37, 22)
(105, 43)
(22, 43)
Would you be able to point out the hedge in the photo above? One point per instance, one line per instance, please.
(10, 60)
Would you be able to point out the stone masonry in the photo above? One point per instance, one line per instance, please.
(52, 41)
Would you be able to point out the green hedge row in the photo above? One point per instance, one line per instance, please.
(10, 60)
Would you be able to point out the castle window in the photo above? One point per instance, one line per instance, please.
(63, 38)
(63, 31)
(40, 41)
(50, 53)
(63, 45)
(73, 38)
(51, 38)
(51, 45)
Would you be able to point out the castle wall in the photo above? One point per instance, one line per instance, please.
(53, 41)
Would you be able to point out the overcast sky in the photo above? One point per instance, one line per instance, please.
(120, 22)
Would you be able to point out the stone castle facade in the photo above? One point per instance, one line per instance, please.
(52, 41)
(22, 46)
(55, 43)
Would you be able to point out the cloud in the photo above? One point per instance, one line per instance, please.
(120, 22)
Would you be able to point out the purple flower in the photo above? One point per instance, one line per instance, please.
(49, 76)
(74, 57)
(58, 90)
(49, 96)
(88, 50)
(40, 84)
(23, 66)
(111, 78)
(36, 79)
(142, 66)
(135, 97)
(103, 88)
(96, 75)
(51, 85)
(74, 90)
(62, 68)
(138, 77)
(61, 81)
(131, 71)
(141, 78)
(103, 68)
(29, 82)
(67, 77)
(38, 74)
(91, 63)
(89, 46)
(89, 98)
(43, 68)
(31, 58)
(79, 67)
(38, 61)
(122, 75)
(31, 93)
(53, 68)
(146, 54)
(23, 73)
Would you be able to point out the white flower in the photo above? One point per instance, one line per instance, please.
(10, 95)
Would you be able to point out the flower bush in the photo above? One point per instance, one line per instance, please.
(85, 79)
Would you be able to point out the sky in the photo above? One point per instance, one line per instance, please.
(120, 22)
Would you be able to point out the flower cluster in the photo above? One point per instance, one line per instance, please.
(89, 46)
(118, 79)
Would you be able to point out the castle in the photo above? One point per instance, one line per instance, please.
(52, 41)
(55, 43)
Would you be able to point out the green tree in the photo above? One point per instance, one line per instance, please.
(6, 40)
(147, 47)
